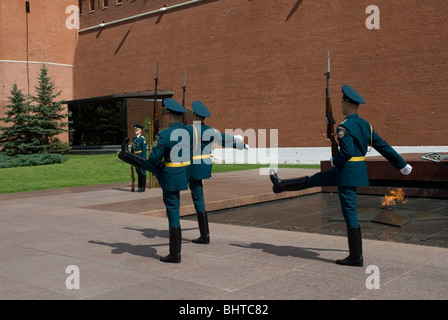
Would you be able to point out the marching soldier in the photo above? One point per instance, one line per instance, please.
(202, 163)
(139, 147)
(349, 169)
(169, 161)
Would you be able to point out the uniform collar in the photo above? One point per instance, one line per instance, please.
(176, 124)
(353, 115)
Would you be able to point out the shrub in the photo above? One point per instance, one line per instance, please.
(30, 160)
(60, 147)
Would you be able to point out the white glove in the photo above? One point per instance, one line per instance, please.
(238, 139)
(331, 161)
(406, 170)
(242, 146)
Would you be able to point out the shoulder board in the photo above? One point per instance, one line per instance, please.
(166, 131)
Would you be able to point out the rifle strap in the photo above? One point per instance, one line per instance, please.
(196, 143)
(371, 138)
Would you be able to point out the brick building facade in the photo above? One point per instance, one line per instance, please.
(259, 64)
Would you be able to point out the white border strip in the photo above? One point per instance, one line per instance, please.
(38, 62)
(276, 156)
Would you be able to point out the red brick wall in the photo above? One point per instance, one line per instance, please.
(49, 41)
(260, 63)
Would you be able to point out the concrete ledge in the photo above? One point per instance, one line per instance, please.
(218, 197)
(428, 179)
(241, 201)
(223, 191)
(409, 192)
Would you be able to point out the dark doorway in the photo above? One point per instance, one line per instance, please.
(106, 120)
(97, 124)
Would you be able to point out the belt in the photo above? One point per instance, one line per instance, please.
(138, 151)
(204, 156)
(176, 165)
(357, 159)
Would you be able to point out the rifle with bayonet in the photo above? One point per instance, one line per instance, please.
(184, 88)
(155, 127)
(155, 119)
(132, 171)
(329, 114)
(133, 179)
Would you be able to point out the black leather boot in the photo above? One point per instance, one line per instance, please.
(287, 184)
(139, 189)
(144, 183)
(130, 158)
(355, 258)
(175, 246)
(203, 229)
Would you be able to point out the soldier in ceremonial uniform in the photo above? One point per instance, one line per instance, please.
(349, 169)
(139, 147)
(202, 163)
(169, 161)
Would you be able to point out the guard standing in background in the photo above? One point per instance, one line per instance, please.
(349, 169)
(202, 162)
(170, 162)
(139, 147)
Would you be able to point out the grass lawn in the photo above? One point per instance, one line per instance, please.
(84, 170)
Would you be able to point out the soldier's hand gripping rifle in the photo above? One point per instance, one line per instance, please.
(329, 115)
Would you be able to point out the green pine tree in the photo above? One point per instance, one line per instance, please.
(50, 120)
(15, 137)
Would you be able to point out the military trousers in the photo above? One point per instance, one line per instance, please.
(347, 195)
(197, 194)
(140, 172)
(171, 199)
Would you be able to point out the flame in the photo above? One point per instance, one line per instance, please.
(393, 196)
